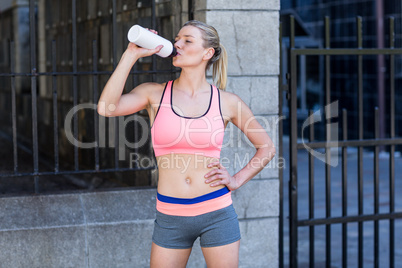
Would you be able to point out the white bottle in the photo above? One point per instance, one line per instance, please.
(147, 39)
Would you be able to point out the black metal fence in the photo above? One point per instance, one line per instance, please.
(303, 190)
(51, 159)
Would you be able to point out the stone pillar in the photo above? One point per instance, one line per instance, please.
(250, 32)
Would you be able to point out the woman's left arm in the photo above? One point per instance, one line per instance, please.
(242, 117)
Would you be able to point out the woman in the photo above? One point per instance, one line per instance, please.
(188, 118)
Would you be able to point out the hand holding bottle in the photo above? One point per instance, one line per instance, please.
(150, 40)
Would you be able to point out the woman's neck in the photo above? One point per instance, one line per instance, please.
(192, 81)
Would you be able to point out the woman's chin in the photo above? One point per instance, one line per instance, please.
(176, 64)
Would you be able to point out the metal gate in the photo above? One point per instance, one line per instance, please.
(357, 215)
(79, 62)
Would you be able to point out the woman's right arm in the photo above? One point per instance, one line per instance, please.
(111, 101)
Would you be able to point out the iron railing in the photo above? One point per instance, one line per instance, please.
(75, 73)
(312, 221)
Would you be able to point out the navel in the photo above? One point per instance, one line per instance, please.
(188, 180)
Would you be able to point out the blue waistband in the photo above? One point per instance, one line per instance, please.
(205, 197)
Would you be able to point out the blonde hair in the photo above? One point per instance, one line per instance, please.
(219, 60)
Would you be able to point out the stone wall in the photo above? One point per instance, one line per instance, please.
(249, 30)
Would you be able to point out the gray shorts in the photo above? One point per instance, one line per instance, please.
(216, 228)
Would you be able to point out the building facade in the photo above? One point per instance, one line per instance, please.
(375, 16)
(55, 214)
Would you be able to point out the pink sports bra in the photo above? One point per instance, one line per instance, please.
(201, 135)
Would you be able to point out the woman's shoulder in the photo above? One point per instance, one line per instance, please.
(230, 104)
(230, 98)
(149, 90)
(153, 91)
(150, 87)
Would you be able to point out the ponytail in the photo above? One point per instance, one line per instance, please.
(219, 69)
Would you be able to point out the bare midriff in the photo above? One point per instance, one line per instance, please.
(182, 175)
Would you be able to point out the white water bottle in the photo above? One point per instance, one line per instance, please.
(147, 39)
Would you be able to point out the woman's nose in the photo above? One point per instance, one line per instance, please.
(177, 44)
